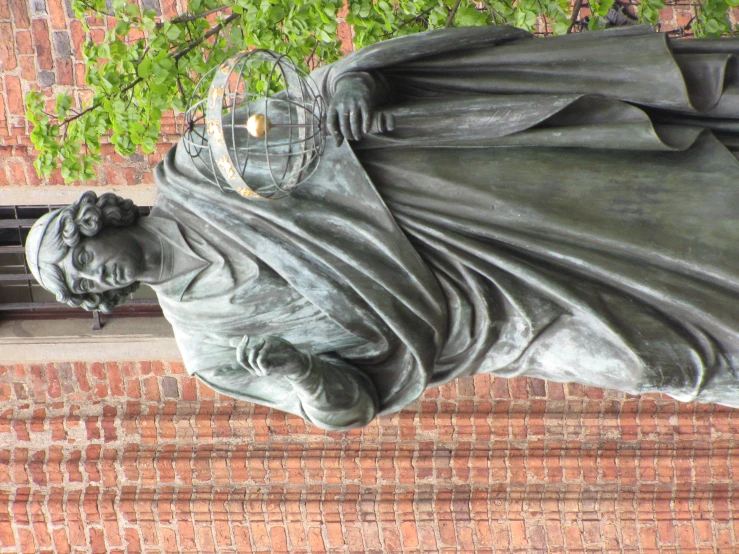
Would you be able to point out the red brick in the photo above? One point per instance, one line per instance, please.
(169, 539)
(205, 540)
(278, 538)
(187, 535)
(37, 469)
(61, 541)
(78, 38)
(90, 504)
(8, 59)
(148, 527)
(92, 427)
(20, 14)
(80, 370)
(64, 71)
(241, 538)
(57, 13)
(97, 371)
(27, 543)
(72, 466)
(14, 95)
(7, 537)
(683, 18)
(97, 541)
(79, 80)
(43, 44)
(151, 389)
(115, 379)
(133, 540)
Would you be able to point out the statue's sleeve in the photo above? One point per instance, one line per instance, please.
(332, 394)
(335, 395)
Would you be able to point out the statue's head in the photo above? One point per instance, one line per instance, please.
(83, 253)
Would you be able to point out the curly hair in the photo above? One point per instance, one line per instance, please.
(87, 217)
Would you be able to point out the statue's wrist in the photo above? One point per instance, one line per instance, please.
(359, 83)
(302, 372)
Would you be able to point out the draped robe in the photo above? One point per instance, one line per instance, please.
(563, 208)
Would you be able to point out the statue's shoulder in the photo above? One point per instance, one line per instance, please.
(410, 47)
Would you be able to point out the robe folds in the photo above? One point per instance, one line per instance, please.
(563, 208)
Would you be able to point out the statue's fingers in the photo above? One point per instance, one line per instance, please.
(346, 129)
(389, 122)
(241, 348)
(264, 353)
(386, 122)
(366, 117)
(253, 354)
(263, 361)
(332, 122)
(356, 123)
(241, 359)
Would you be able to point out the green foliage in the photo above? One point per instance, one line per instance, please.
(146, 65)
(713, 18)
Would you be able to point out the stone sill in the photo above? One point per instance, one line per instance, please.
(122, 339)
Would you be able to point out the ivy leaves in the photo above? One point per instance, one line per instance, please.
(143, 66)
(713, 18)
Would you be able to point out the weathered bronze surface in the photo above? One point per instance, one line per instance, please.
(564, 208)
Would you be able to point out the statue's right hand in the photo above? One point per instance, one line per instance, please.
(271, 356)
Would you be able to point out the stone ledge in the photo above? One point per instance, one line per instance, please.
(41, 341)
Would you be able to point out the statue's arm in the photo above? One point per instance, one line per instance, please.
(333, 394)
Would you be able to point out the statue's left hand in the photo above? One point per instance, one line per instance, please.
(351, 111)
(271, 356)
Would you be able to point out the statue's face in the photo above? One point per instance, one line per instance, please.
(110, 260)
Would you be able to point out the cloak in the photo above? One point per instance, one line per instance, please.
(590, 181)
(335, 242)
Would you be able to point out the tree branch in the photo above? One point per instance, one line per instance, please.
(412, 19)
(97, 105)
(214, 31)
(575, 13)
(543, 17)
(452, 13)
(309, 56)
(175, 56)
(194, 17)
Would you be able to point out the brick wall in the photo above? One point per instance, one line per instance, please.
(138, 457)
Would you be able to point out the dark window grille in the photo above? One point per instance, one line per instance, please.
(22, 298)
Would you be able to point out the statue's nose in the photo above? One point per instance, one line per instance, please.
(95, 273)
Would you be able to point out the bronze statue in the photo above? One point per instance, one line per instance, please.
(563, 208)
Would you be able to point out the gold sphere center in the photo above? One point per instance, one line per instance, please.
(258, 124)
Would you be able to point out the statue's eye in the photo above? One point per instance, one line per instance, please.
(85, 257)
(85, 285)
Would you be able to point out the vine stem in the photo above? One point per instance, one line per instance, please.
(452, 13)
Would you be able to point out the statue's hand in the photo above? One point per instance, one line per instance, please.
(351, 111)
(271, 356)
